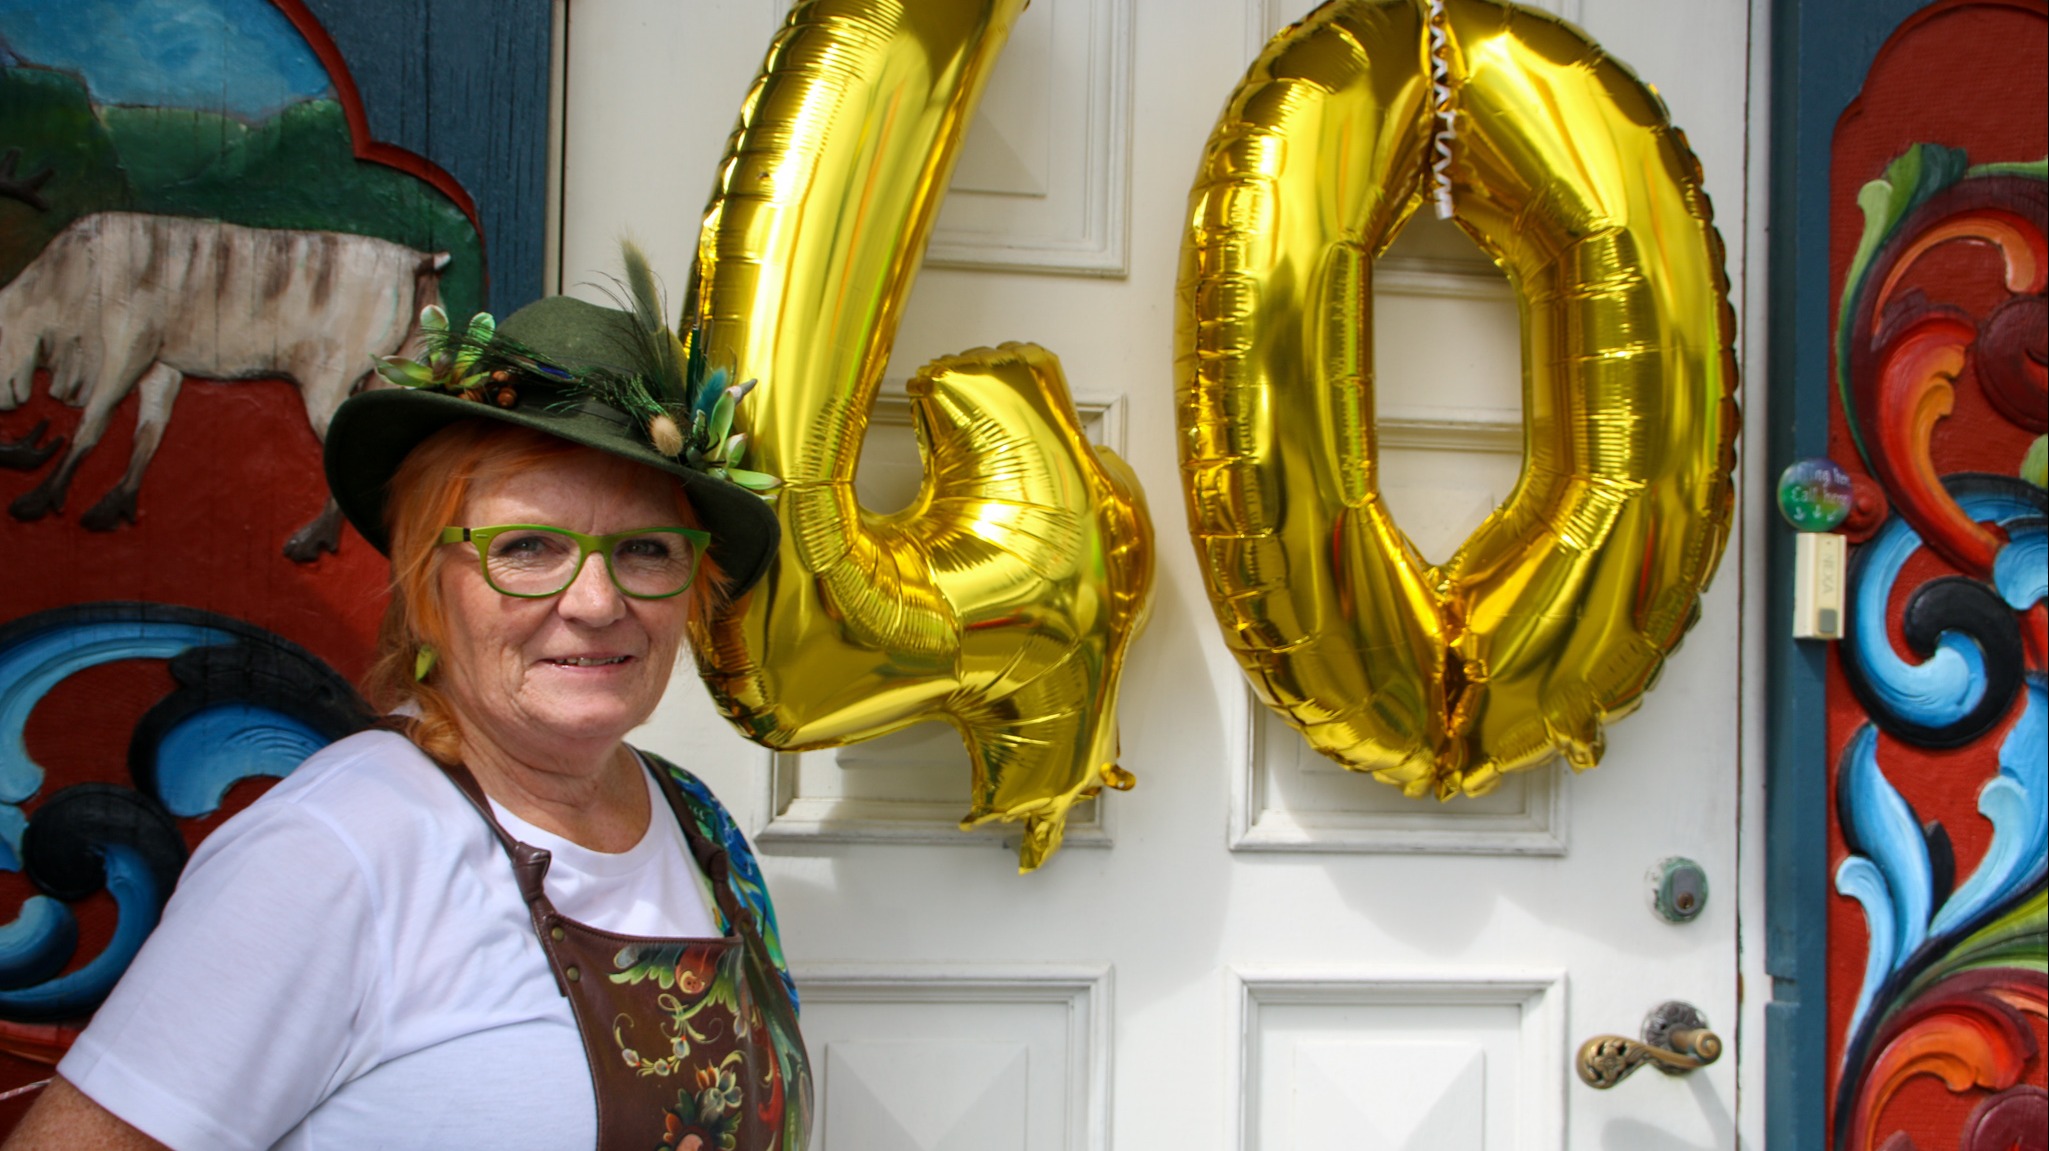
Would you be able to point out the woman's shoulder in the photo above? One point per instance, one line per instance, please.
(367, 790)
(373, 763)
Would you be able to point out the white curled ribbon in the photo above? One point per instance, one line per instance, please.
(1440, 99)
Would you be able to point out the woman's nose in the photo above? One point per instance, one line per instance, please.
(591, 597)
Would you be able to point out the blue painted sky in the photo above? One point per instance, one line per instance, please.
(238, 56)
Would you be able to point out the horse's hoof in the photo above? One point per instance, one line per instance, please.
(34, 505)
(113, 508)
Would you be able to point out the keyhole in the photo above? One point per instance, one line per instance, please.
(1678, 890)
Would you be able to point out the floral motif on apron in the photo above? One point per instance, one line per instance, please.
(692, 1043)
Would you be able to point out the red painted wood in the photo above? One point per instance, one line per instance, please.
(237, 473)
(1970, 74)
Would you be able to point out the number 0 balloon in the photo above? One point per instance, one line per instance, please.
(1004, 597)
(1556, 614)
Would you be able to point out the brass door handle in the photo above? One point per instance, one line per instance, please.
(1675, 1040)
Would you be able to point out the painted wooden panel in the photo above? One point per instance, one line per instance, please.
(1938, 937)
(203, 245)
(1291, 799)
(1451, 1061)
(1043, 179)
(946, 1095)
(465, 84)
(959, 1058)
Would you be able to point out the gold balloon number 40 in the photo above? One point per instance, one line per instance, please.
(1003, 599)
(1558, 611)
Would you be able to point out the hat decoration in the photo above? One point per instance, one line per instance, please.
(684, 408)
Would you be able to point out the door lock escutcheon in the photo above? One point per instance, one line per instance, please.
(1675, 1040)
(1679, 889)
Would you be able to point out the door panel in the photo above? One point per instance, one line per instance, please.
(1253, 949)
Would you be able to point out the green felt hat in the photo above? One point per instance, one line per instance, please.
(595, 376)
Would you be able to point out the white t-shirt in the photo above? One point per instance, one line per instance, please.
(347, 965)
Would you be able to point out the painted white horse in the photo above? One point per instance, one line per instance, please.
(122, 301)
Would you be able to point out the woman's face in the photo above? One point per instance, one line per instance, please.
(569, 675)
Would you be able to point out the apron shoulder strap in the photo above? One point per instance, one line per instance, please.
(712, 857)
(764, 977)
(529, 863)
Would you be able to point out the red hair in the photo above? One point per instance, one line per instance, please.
(427, 494)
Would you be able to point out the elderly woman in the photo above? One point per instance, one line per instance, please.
(494, 923)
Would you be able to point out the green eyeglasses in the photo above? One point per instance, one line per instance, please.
(534, 561)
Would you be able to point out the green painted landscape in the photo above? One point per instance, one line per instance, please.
(296, 169)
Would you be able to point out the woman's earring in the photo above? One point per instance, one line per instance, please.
(424, 662)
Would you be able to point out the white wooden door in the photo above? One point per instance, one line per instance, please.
(1253, 949)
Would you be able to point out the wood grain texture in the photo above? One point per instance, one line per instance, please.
(464, 84)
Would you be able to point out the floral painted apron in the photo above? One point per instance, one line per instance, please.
(692, 1043)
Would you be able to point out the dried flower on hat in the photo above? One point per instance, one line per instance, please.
(684, 410)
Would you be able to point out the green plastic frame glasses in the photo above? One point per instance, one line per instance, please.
(539, 571)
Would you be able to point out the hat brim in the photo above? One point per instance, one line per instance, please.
(373, 432)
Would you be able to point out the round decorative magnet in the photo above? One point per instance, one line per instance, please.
(1815, 494)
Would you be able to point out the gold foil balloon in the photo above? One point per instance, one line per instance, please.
(1004, 597)
(1557, 612)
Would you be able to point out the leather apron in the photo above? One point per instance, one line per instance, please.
(692, 1043)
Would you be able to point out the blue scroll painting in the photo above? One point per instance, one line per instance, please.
(247, 703)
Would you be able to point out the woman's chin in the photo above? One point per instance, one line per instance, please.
(586, 701)
(588, 723)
